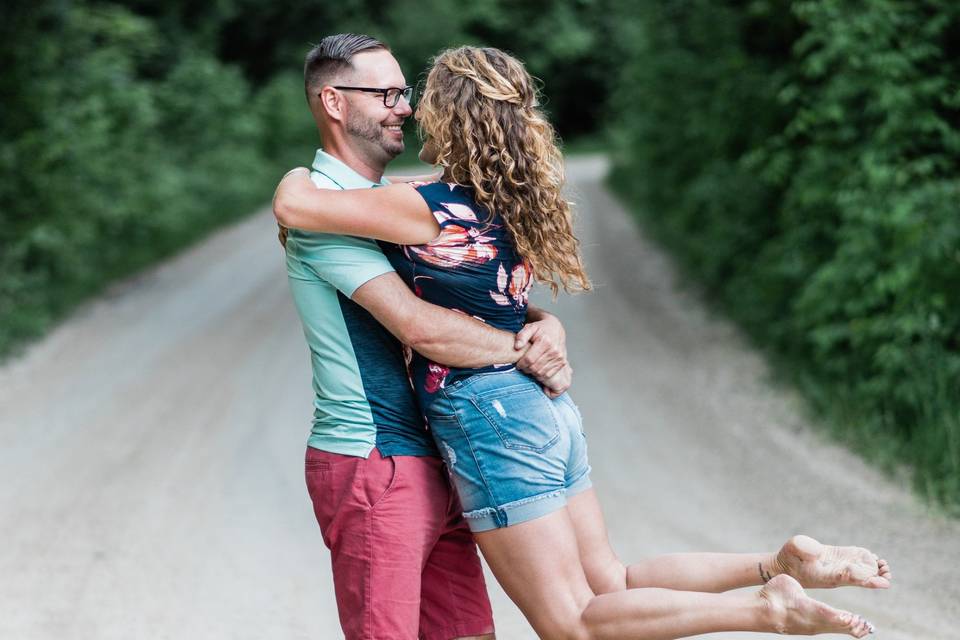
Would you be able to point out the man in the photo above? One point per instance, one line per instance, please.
(404, 562)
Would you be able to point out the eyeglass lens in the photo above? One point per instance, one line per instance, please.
(392, 96)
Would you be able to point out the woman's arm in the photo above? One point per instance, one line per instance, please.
(395, 213)
(427, 177)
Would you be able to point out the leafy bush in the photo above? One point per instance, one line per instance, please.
(813, 188)
(800, 157)
(124, 136)
(112, 159)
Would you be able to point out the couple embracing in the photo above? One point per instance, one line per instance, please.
(442, 420)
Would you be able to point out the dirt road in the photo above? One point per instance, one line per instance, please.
(150, 452)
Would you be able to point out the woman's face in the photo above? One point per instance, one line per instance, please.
(428, 152)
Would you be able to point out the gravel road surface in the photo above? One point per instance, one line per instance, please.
(151, 452)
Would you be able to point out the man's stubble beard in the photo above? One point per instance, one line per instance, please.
(371, 136)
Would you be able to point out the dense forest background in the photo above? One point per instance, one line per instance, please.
(799, 158)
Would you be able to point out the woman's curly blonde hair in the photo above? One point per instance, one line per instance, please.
(479, 112)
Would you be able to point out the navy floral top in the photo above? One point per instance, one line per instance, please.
(471, 267)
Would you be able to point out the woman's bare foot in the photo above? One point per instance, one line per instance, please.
(791, 611)
(822, 566)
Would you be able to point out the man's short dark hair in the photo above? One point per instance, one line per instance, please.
(334, 54)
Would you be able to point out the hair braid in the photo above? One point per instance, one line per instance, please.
(480, 110)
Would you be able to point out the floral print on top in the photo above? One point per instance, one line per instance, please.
(471, 267)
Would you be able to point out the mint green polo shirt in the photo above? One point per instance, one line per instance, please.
(362, 394)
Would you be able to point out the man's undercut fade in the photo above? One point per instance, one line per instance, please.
(332, 56)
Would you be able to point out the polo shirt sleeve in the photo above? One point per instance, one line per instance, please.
(345, 262)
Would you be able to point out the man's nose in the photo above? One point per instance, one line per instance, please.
(403, 108)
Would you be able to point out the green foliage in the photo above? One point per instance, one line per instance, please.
(129, 130)
(800, 157)
(290, 134)
(813, 188)
(110, 168)
(563, 43)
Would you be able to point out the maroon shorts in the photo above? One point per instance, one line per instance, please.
(404, 562)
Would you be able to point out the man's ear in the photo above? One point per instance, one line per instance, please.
(331, 103)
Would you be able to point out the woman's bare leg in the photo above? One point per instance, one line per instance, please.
(538, 565)
(812, 564)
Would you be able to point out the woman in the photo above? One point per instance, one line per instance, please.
(474, 241)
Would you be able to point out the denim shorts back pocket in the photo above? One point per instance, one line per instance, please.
(521, 415)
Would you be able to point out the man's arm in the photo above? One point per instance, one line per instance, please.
(359, 269)
(444, 336)
(456, 339)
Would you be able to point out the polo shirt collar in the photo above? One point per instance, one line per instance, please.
(342, 175)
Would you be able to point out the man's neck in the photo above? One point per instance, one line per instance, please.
(348, 156)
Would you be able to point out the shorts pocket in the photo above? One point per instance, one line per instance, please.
(316, 466)
(378, 478)
(522, 416)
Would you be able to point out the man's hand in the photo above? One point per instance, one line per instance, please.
(547, 353)
(557, 384)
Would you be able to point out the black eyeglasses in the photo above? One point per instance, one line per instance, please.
(391, 95)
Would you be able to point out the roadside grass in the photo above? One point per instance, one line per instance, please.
(44, 307)
(33, 316)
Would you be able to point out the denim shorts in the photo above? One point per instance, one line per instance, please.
(513, 453)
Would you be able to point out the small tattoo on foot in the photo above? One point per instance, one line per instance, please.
(766, 576)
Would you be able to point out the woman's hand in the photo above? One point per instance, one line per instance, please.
(289, 191)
